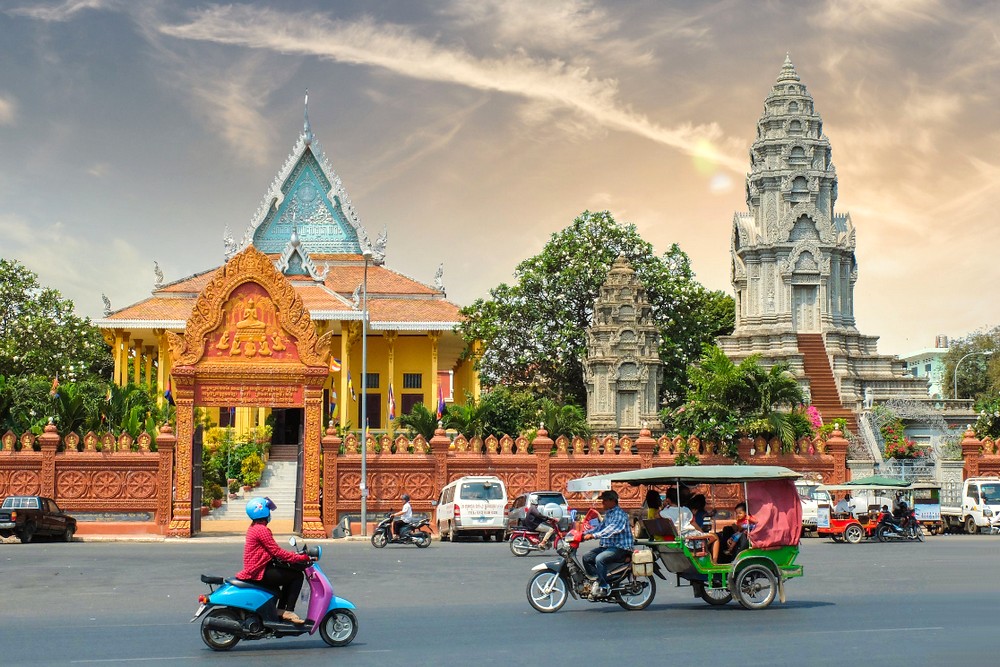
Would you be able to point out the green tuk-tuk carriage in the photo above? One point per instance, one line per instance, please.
(758, 572)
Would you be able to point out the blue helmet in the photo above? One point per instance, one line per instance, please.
(260, 508)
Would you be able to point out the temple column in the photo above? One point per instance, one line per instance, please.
(118, 356)
(180, 521)
(434, 337)
(161, 365)
(148, 351)
(477, 353)
(137, 366)
(390, 346)
(312, 522)
(346, 334)
(122, 378)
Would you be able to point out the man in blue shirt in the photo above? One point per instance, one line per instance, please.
(615, 537)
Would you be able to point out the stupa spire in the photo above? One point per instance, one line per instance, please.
(788, 72)
(307, 134)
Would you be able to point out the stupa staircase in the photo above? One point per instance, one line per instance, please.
(822, 384)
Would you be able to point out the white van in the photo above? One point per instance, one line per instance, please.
(472, 505)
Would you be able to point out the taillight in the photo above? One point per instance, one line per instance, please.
(458, 512)
(13, 516)
(202, 599)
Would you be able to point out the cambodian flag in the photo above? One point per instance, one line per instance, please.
(334, 365)
(392, 404)
(441, 406)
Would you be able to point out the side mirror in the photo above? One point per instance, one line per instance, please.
(434, 503)
(291, 541)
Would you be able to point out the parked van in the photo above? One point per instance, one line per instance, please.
(472, 505)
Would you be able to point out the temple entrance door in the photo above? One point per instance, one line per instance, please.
(287, 425)
(805, 317)
(627, 412)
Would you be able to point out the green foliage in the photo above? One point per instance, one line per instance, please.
(988, 423)
(40, 334)
(468, 419)
(978, 374)
(568, 420)
(508, 411)
(420, 421)
(251, 469)
(534, 332)
(726, 401)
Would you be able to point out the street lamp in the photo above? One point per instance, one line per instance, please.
(955, 388)
(367, 254)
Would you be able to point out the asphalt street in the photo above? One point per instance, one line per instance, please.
(124, 603)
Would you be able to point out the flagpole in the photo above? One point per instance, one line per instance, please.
(367, 254)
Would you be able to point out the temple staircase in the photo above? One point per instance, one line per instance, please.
(822, 384)
(277, 483)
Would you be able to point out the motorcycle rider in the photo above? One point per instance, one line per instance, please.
(263, 561)
(535, 520)
(403, 518)
(615, 542)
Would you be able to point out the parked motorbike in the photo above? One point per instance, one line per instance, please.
(555, 581)
(242, 610)
(415, 535)
(523, 540)
(906, 528)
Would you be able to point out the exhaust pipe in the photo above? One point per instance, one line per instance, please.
(227, 625)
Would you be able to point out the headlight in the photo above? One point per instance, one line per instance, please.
(987, 511)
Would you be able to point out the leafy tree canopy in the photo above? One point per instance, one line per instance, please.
(979, 374)
(534, 331)
(41, 335)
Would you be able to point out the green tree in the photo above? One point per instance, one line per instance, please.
(979, 374)
(568, 420)
(508, 411)
(469, 418)
(420, 421)
(534, 331)
(41, 335)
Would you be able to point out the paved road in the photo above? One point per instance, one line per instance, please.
(456, 604)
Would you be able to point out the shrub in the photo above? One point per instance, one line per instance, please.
(251, 469)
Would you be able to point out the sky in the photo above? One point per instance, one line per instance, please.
(134, 131)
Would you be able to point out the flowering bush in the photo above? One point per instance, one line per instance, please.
(815, 418)
(988, 424)
(897, 445)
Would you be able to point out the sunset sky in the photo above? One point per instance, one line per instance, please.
(134, 131)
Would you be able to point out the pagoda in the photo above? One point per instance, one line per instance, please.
(794, 269)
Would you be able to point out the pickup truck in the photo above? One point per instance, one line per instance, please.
(27, 516)
(976, 509)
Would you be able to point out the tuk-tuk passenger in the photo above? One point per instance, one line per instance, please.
(684, 520)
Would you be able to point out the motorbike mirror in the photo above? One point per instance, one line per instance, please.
(434, 503)
(291, 541)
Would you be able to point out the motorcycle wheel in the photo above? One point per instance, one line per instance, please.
(551, 601)
(379, 540)
(882, 534)
(755, 587)
(641, 600)
(520, 545)
(422, 541)
(217, 640)
(717, 597)
(339, 627)
(854, 533)
(917, 533)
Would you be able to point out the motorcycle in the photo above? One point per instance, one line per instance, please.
(907, 528)
(242, 610)
(555, 581)
(524, 540)
(416, 535)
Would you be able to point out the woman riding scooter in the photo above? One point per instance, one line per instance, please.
(259, 553)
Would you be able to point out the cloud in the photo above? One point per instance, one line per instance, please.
(397, 49)
(860, 16)
(61, 12)
(8, 110)
(66, 260)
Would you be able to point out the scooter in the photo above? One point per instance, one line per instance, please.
(241, 610)
(555, 581)
(907, 528)
(416, 535)
(523, 540)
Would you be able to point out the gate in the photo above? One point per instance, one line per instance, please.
(197, 485)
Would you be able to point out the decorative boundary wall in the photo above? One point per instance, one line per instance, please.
(82, 479)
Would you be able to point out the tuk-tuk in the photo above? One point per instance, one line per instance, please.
(762, 564)
(862, 522)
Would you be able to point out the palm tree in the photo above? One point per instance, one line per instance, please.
(468, 419)
(568, 420)
(420, 421)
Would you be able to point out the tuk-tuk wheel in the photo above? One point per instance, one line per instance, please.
(854, 533)
(755, 586)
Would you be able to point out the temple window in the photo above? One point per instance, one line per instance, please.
(798, 155)
(413, 381)
(795, 127)
(371, 381)
(793, 107)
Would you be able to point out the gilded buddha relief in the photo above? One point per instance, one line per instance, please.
(250, 327)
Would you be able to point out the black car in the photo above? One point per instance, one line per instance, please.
(28, 516)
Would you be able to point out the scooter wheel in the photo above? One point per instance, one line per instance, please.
(219, 640)
(339, 627)
(520, 545)
(379, 540)
(422, 541)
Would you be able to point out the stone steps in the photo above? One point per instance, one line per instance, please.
(277, 483)
(822, 384)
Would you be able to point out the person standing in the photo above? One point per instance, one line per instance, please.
(616, 541)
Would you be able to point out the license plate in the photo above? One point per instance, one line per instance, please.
(201, 608)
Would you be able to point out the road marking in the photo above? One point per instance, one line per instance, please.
(179, 657)
(837, 632)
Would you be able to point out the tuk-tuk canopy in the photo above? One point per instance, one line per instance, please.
(686, 474)
(879, 483)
